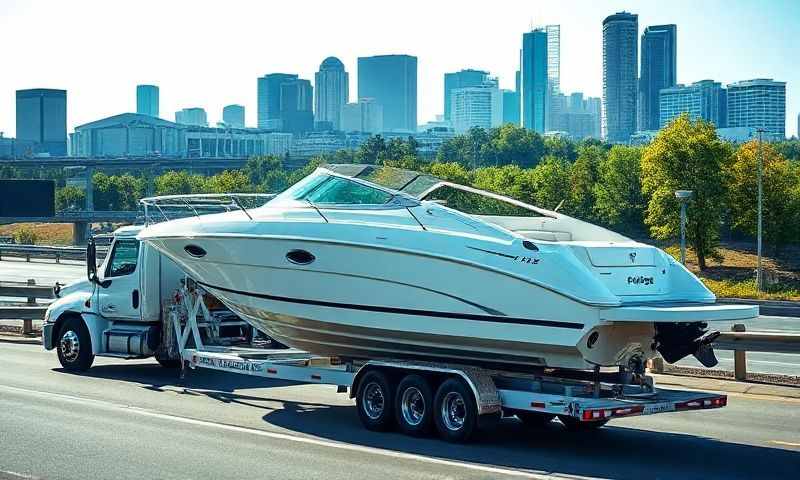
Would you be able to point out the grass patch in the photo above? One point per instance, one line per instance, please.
(747, 289)
(46, 233)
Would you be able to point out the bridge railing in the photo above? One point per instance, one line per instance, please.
(31, 311)
(43, 251)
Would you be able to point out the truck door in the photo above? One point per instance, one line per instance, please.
(121, 298)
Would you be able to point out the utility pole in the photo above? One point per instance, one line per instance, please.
(759, 273)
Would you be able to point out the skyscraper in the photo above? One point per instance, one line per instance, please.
(366, 116)
(147, 100)
(705, 100)
(620, 53)
(758, 103)
(658, 71)
(553, 70)
(392, 81)
(194, 116)
(233, 116)
(332, 85)
(460, 79)
(285, 103)
(476, 106)
(534, 91)
(510, 106)
(42, 119)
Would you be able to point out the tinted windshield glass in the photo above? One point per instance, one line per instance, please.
(477, 204)
(342, 191)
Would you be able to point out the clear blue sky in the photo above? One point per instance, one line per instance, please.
(209, 53)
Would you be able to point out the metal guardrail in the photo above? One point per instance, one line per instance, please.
(776, 308)
(30, 312)
(41, 251)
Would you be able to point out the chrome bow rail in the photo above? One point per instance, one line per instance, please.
(170, 207)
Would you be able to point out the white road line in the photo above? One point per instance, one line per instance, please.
(288, 437)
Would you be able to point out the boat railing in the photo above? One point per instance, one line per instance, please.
(170, 207)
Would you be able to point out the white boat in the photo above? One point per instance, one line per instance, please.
(341, 265)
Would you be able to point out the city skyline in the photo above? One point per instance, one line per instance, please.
(706, 50)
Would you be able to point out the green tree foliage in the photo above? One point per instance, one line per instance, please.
(229, 181)
(583, 177)
(686, 155)
(505, 145)
(789, 149)
(178, 183)
(8, 172)
(781, 186)
(619, 203)
(452, 172)
(558, 146)
(549, 182)
(117, 192)
(259, 168)
(25, 235)
(70, 198)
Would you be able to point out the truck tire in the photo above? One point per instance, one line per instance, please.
(575, 425)
(74, 346)
(375, 401)
(168, 362)
(454, 411)
(413, 406)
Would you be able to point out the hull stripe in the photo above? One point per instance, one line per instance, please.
(405, 311)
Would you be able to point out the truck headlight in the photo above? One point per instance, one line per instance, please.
(47, 316)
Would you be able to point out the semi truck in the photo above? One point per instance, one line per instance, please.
(138, 304)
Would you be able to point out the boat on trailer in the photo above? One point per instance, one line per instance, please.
(370, 262)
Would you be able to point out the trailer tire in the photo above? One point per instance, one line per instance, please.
(74, 345)
(575, 425)
(454, 411)
(375, 401)
(534, 419)
(413, 406)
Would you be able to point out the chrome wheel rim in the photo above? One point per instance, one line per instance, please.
(412, 406)
(70, 346)
(374, 403)
(454, 411)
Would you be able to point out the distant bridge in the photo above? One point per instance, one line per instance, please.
(80, 220)
(141, 164)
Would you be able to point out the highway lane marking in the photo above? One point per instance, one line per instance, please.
(288, 437)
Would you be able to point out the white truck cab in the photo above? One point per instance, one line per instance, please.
(117, 310)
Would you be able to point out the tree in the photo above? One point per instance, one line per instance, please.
(548, 182)
(372, 150)
(583, 178)
(515, 145)
(178, 183)
(25, 235)
(117, 192)
(257, 168)
(70, 198)
(619, 202)
(781, 205)
(686, 155)
(229, 181)
(452, 172)
(560, 147)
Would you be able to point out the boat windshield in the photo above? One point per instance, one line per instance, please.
(323, 189)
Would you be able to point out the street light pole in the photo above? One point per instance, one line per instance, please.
(759, 273)
(683, 197)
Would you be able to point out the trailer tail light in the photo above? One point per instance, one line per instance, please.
(713, 402)
(604, 413)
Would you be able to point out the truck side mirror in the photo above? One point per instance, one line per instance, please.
(91, 261)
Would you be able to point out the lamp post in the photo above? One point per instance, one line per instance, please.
(683, 197)
(759, 273)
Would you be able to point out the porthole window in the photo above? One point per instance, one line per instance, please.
(195, 251)
(300, 257)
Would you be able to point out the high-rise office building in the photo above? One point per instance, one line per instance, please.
(620, 54)
(658, 71)
(705, 100)
(797, 134)
(332, 89)
(42, 119)
(534, 90)
(510, 106)
(233, 116)
(392, 81)
(758, 103)
(460, 79)
(365, 116)
(553, 70)
(594, 105)
(477, 106)
(285, 103)
(147, 100)
(194, 116)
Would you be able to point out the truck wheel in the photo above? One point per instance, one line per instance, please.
(454, 411)
(414, 406)
(74, 346)
(375, 400)
(168, 362)
(534, 419)
(575, 425)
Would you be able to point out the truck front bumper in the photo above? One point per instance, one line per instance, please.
(47, 336)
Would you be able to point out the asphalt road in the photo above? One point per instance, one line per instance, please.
(47, 272)
(133, 419)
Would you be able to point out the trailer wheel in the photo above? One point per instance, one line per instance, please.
(455, 412)
(74, 346)
(575, 425)
(414, 405)
(534, 419)
(375, 401)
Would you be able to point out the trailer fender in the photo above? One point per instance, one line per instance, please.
(480, 383)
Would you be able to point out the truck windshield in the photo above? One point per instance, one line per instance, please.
(123, 258)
